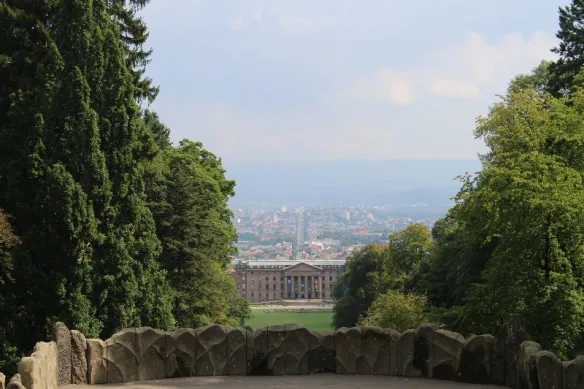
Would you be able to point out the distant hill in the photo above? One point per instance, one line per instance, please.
(338, 183)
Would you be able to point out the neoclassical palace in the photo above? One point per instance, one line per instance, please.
(273, 280)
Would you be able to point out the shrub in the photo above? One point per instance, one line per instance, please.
(398, 311)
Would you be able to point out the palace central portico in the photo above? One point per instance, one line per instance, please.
(271, 280)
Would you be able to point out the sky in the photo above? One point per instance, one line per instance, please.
(309, 80)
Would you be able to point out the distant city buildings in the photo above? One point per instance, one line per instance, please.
(290, 233)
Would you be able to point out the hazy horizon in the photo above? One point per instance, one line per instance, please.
(346, 182)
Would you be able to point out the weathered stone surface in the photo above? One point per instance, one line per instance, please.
(507, 343)
(258, 342)
(47, 354)
(96, 362)
(573, 373)
(475, 359)
(78, 358)
(2, 381)
(249, 347)
(15, 382)
(321, 354)
(236, 351)
(405, 354)
(424, 350)
(150, 352)
(526, 368)
(549, 370)
(121, 356)
(211, 350)
(446, 354)
(376, 350)
(393, 352)
(62, 337)
(296, 350)
(275, 363)
(180, 353)
(39, 371)
(348, 349)
(498, 363)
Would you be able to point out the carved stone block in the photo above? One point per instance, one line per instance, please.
(249, 347)
(236, 351)
(211, 350)
(526, 367)
(40, 371)
(15, 382)
(121, 357)
(321, 354)
(475, 359)
(507, 343)
(424, 350)
(499, 363)
(62, 337)
(258, 342)
(78, 358)
(96, 362)
(180, 353)
(276, 364)
(348, 349)
(376, 351)
(549, 370)
(573, 373)
(296, 348)
(151, 345)
(446, 354)
(405, 354)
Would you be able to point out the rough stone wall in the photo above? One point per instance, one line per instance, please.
(40, 370)
(147, 354)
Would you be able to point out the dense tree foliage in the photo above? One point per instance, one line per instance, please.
(93, 184)
(377, 268)
(513, 244)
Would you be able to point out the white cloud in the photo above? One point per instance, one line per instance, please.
(489, 63)
(293, 22)
(236, 23)
(236, 134)
(450, 88)
(245, 20)
(385, 85)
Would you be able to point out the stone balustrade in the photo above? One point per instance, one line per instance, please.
(147, 354)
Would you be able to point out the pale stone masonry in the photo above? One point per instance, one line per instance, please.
(274, 280)
(140, 354)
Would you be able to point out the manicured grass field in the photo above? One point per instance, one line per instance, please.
(314, 321)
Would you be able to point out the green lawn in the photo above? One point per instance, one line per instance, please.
(314, 321)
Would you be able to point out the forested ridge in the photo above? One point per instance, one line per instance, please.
(104, 223)
(513, 243)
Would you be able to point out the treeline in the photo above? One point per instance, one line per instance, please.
(104, 223)
(513, 243)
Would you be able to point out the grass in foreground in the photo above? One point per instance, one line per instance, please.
(313, 321)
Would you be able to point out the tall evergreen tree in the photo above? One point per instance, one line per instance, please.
(569, 50)
(188, 195)
(72, 154)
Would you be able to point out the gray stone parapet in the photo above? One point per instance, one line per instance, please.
(139, 354)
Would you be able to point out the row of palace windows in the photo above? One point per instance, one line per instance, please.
(282, 286)
(290, 295)
(285, 266)
(294, 277)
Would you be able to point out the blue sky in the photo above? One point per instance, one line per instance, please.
(340, 79)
